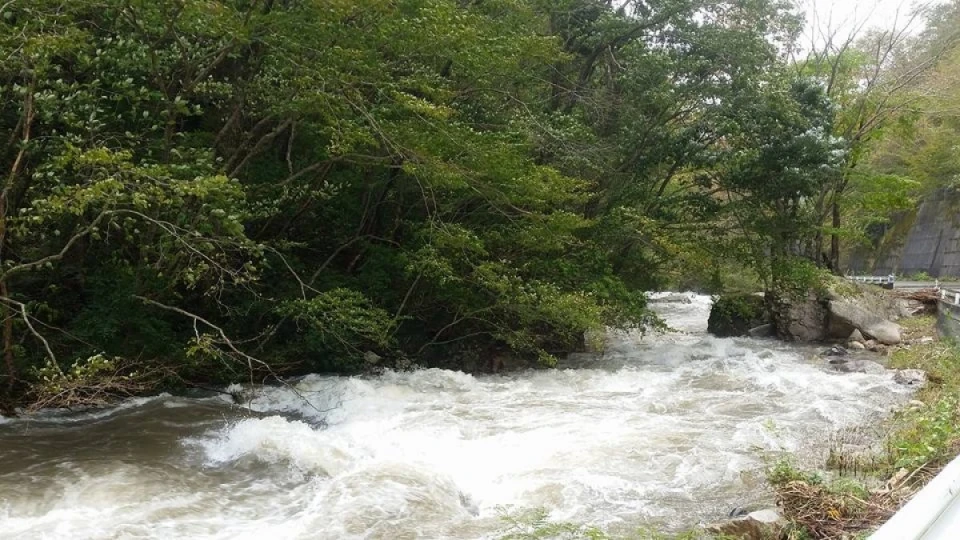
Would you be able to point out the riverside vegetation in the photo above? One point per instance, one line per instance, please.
(208, 191)
(201, 191)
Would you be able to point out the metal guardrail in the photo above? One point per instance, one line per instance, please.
(932, 514)
(875, 280)
(950, 296)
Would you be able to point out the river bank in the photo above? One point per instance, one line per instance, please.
(858, 488)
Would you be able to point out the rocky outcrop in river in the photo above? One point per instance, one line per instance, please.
(736, 315)
(840, 310)
(837, 311)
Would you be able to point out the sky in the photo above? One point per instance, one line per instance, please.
(848, 15)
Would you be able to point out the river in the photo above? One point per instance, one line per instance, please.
(666, 430)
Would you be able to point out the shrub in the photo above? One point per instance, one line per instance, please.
(735, 315)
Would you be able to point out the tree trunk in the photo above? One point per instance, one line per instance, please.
(835, 239)
(8, 338)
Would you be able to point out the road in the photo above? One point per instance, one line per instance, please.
(914, 285)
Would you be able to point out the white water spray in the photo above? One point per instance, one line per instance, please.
(669, 430)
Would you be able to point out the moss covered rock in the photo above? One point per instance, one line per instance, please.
(735, 314)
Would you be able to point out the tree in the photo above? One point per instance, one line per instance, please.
(222, 190)
(869, 75)
(785, 155)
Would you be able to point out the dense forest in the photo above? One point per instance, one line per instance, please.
(203, 191)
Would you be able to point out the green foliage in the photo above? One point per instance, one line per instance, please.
(339, 326)
(93, 381)
(796, 277)
(784, 471)
(54, 379)
(735, 314)
(929, 434)
(194, 183)
(535, 525)
(906, 152)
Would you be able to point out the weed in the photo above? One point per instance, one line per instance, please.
(785, 471)
(927, 435)
(917, 327)
(534, 524)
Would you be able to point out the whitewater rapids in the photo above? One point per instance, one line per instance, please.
(666, 431)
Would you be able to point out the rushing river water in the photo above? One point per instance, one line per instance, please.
(668, 430)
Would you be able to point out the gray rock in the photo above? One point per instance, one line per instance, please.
(754, 526)
(859, 366)
(886, 332)
(856, 345)
(769, 515)
(849, 314)
(910, 377)
(836, 350)
(371, 358)
(762, 331)
(856, 336)
(802, 319)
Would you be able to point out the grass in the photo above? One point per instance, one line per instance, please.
(916, 328)
(534, 524)
(844, 287)
(857, 491)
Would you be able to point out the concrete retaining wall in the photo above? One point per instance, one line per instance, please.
(927, 240)
(948, 319)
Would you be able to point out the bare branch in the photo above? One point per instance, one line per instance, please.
(250, 360)
(26, 319)
(60, 254)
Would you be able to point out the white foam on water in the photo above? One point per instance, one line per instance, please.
(670, 428)
(277, 440)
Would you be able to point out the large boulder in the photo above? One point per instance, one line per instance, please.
(799, 318)
(840, 310)
(736, 314)
(886, 332)
(861, 313)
